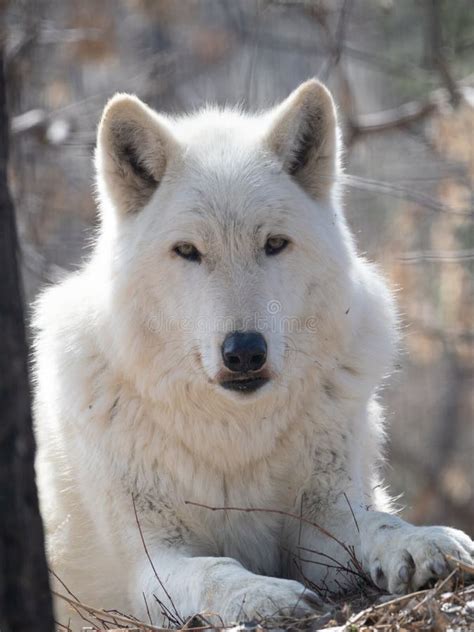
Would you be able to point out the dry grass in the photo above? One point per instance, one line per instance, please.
(448, 606)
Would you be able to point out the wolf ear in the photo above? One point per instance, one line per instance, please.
(304, 136)
(133, 149)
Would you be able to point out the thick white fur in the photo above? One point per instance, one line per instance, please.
(128, 405)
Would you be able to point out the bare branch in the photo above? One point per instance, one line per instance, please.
(435, 38)
(401, 192)
(280, 512)
(456, 256)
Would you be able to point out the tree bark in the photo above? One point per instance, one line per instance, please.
(25, 600)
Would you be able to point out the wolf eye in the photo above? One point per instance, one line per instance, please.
(187, 251)
(275, 245)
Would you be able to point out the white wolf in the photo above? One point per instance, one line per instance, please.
(221, 349)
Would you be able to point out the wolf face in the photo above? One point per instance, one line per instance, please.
(228, 266)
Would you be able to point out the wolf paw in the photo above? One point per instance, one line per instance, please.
(271, 598)
(406, 557)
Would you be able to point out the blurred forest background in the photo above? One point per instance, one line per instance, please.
(402, 73)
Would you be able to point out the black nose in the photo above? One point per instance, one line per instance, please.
(244, 351)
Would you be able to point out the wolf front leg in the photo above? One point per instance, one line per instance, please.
(401, 557)
(177, 586)
(356, 543)
(324, 544)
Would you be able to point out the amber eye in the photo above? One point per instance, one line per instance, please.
(275, 245)
(187, 251)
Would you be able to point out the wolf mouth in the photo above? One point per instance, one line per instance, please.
(244, 384)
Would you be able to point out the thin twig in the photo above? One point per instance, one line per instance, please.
(278, 512)
(104, 614)
(56, 576)
(147, 608)
(436, 590)
(167, 610)
(464, 566)
(339, 567)
(352, 512)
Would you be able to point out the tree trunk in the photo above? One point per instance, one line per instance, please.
(25, 600)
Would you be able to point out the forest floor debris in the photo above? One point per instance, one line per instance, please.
(448, 606)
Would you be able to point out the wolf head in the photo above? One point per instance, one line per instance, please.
(229, 266)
